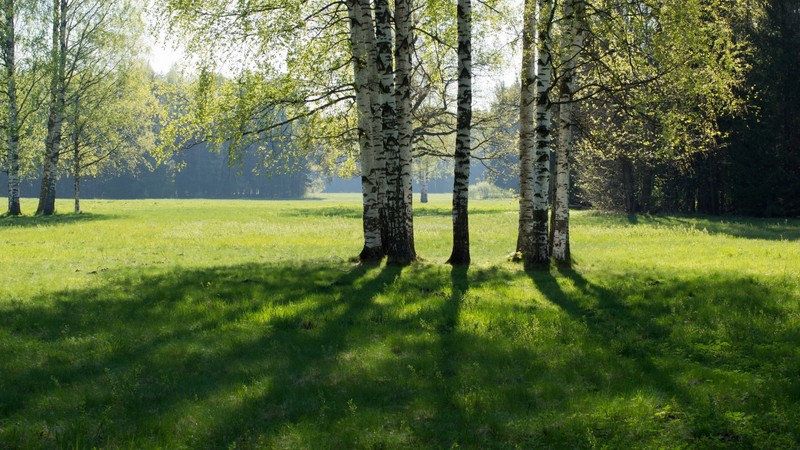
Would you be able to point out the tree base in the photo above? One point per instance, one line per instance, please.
(371, 255)
(537, 265)
(458, 260)
(563, 263)
(400, 260)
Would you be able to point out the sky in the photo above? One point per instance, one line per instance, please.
(164, 53)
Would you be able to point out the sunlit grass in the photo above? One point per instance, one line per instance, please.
(222, 324)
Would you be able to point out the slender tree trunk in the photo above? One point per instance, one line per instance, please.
(398, 170)
(77, 186)
(527, 129)
(423, 188)
(373, 250)
(12, 129)
(76, 162)
(385, 69)
(460, 254)
(628, 185)
(405, 131)
(378, 168)
(553, 191)
(55, 119)
(539, 253)
(560, 222)
(575, 13)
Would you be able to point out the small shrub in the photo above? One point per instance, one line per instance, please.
(484, 190)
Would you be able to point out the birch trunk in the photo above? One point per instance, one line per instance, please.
(539, 253)
(460, 254)
(373, 249)
(77, 180)
(575, 12)
(378, 169)
(12, 130)
(423, 188)
(55, 119)
(385, 72)
(405, 129)
(401, 230)
(527, 131)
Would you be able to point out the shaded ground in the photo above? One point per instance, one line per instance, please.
(321, 355)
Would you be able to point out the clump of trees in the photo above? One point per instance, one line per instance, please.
(76, 92)
(635, 96)
(633, 105)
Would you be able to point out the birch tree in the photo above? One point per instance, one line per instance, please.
(539, 253)
(460, 253)
(534, 131)
(398, 166)
(384, 66)
(12, 124)
(110, 120)
(313, 86)
(21, 58)
(527, 129)
(361, 36)
(85, 34)
(55, 117)
(571, 48)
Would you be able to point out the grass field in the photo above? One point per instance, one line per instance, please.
(243, 324)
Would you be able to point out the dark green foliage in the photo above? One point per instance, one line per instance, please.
(762, 169)
(722, 137)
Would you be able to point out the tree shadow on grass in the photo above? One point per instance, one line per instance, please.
(747, 228)
(739, 227)
(104, 363)
(320, 355)
(54, 220)
(699, 347)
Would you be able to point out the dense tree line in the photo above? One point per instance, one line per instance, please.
(199, 172)
(710, 123)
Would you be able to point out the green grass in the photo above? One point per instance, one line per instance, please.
(243, 324)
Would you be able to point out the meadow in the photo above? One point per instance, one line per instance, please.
(246, 324)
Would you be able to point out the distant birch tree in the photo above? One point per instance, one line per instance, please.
(110, 120)
(85, 34)
(9, 34)
(57, 100)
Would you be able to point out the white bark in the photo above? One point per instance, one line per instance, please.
(385, 72)
(527, 129)
(55, 120)
(373, 249)
(76, 167)
(378, 168)
(575, 11)
(401, 249)
(12, 128)
(541, 167)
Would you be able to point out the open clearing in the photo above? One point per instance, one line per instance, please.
(243, 324)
